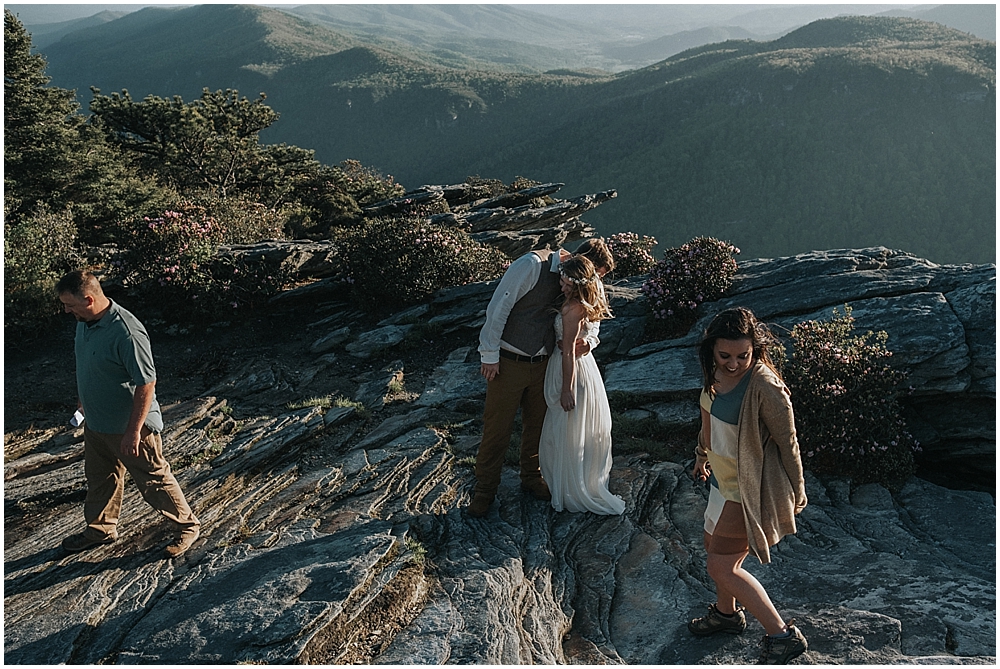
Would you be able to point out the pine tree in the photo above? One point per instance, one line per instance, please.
(210, 150)
(40, 127)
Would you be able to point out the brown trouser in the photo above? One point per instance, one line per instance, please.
(519, 384)
(105, 465)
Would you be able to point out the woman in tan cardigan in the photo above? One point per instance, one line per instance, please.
(748, 452)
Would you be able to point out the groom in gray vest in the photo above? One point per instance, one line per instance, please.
(514, 346)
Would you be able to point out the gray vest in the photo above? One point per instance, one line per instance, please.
(530, 323)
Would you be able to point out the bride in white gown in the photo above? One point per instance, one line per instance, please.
(574, 452)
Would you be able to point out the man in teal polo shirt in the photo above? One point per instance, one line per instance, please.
(115, 379)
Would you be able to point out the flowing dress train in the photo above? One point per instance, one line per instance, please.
(574, 452)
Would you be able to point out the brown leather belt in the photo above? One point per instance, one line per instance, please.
(532, 359)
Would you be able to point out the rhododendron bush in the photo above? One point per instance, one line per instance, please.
(171, 263)
(632, 253)
(845, 396)
(396, 261)
(697, 272)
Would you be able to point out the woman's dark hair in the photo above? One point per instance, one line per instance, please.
(735, 323)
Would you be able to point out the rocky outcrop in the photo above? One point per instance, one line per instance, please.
(515, 223)
(941, 325)
(329, 538)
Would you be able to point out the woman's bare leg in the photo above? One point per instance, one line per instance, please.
(725, 600)
(727, 548)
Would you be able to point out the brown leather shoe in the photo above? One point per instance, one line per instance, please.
(77, 543)
(181, 544)
(538, 488)
(480, 505)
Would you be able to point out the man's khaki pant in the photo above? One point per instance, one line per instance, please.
(105, 465)
(519, 384)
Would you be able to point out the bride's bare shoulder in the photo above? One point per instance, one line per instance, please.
(573, 309)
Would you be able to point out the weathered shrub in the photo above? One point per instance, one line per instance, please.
(520, 183)
(398, 261)
(37, 250)
(845, 396)
(699, 271)
(632, 253)
(171, 263)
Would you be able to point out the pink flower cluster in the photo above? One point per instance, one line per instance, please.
(631, 253)
(845, 395)
(697, 272)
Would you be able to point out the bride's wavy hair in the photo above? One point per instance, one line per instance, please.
(588, 288)
(735, 323)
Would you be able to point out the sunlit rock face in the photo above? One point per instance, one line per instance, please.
(335, 534)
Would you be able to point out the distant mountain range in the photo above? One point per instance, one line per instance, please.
(977, 20)
(536, 38)
(847, 132)
(44, 34)
(651, 21)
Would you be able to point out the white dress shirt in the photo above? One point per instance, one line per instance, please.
(520, 277)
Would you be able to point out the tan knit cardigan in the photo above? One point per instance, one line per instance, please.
(768, 465)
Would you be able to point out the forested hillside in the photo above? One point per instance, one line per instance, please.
(847, 132)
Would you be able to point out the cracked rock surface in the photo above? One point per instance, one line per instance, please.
(335, 535)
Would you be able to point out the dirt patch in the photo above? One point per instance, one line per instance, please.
(357, 638)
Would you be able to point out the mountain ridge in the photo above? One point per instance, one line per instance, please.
(885, 121)
(227, 39)
(537, 38)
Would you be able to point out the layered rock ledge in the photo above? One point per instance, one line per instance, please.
(330, 537)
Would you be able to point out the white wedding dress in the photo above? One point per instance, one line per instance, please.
(574, 452)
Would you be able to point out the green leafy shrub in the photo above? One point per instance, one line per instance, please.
(845, 396)
(171, 251)
(318, 198)
(36, 252)
(393, 262)
(632, 253)
(303, 221)
(486, 188)
(242, 284)
(333, 197)
(243, 221)
(367, 186)
(171, 262)
(700, 271)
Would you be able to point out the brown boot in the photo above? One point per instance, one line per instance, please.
(181, 544)
(479, 505)
(77, 543)
(538, 488)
